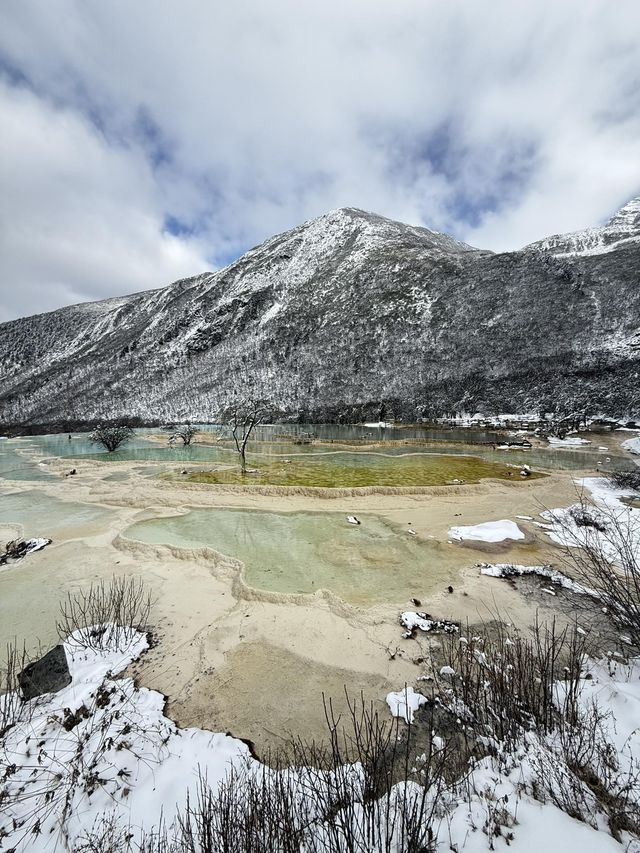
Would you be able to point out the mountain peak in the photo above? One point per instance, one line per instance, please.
(623, 228)
(369, 228)
(627, 218)
(344, 316)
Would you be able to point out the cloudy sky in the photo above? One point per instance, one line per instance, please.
(145, 141)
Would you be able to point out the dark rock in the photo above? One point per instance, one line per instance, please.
(47, 675)
(19, 548)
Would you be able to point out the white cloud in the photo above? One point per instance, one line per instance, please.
(79, 219)
(501, 122)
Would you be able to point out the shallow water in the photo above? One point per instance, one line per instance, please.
(302, 552)
(42, 515)
(16, 466)
(357, 432)
(139, 449)
(316, 464)
(360, 469)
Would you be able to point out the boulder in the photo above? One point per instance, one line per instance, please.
(47, 675)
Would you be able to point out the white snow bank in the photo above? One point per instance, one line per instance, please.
(509, 570)
(632, 445)
(102, 748)
(489, 531)
(568, 441)
(125, 741)
(22, 548)
(609, 525)
(410, 619)
(501, 811)
(404, 703)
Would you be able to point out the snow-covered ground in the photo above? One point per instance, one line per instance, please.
(100, 746)
(623, 229)
(607, 518)
(489, 531)
(510, 570)
(567, 441)
(378, 425)
(632, 445)
(499, 421)
(103, 747)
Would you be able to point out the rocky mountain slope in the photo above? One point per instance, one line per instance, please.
(350, 316)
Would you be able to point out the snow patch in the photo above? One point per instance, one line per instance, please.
(568, 441)
(595, 526)
(405, 703)
(509, 570)
(411, 620)
(126, 742)
(632, 445)
(271, 313)
(102, 747)
(489, 531)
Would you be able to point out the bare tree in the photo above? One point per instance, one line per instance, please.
(603, 551)
(14, 707)
(185, 433)
(626, 479)
(243, 417)
(112, 437)
(87, 615)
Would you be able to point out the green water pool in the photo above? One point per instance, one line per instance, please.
(302, 552)
(352, 470)
(43, 515)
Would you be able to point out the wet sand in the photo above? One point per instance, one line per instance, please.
(233, 658)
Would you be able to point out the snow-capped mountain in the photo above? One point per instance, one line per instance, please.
(349, 316)
(622, 229)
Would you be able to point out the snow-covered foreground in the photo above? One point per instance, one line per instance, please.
(100, 745)
(103, 747)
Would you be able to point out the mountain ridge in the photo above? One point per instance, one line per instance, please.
(343, 317)
(623, 226)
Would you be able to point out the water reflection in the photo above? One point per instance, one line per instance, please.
(278, 440)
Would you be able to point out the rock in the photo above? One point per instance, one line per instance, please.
(47, 675)
(19, 548)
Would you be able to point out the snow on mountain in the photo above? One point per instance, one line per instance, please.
(621, 230)
(349, 316)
